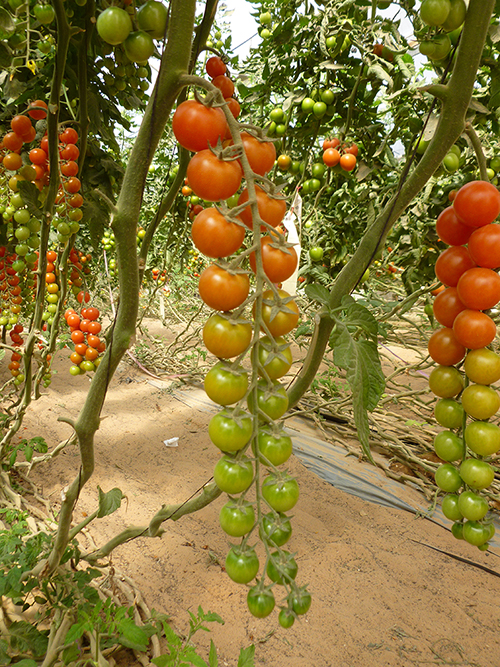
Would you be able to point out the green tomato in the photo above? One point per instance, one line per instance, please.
(277, 115)
(477, 474)
(483, 438)
(265, 18)
(451, 162)
(265, 33)
(482, 366)
(139, 46)
(274, 446)
(456, 16)
(316, 253)
(319, 109)
(230, 430)
(448, 478)
(44, 13)
(450, 507)
(480, 401)
(275, 357)
(152, 18)
(449, 413)
(434, 12)
(495, 164)
(271, 400)
(446, 381)
(282, 567)
(242, 565)
(286, 618)
(307, 105)
(327, 96)
(276, 528)
(331, 42)
(260, 601)
(457, 530)
(475, 533)
(448, 446)
(301, 601)
(237, 518)
(114, 25)
(233, 475)
(281, 492)
(318, 170)
(472, 506)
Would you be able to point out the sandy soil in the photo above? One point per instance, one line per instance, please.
(381, 597)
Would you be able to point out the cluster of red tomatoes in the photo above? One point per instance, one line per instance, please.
(247, 429)
(84, 330)
(334, 154)
(467, 364)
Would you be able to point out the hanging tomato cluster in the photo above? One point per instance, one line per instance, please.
(334, 154)
(247, 430)
(467, 364)
(84, 329)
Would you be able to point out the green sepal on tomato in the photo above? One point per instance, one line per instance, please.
(275, 357)
(271, 399)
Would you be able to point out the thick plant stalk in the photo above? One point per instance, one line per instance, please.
(455, 97)
(174, 63)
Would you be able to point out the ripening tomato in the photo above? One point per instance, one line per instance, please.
(479, 288)
(222, 290)
(214, 235)
(484, 246)
(278, 260)
(446, 306)
(451, 263)
(347, 161)
(233, 106)
(450, 229)
(446, 381)
(444, 348)
(482, 438)
(271, 209)
(69, 136)
(474, 329)
(226, 385)
(330, 143)
(261, 155)
(196, 126)
(21, 125)
(482, 366)
(279, 316)
(480, 401)
(213, 179)
(477, 203)
(225, 337)
(331, 157)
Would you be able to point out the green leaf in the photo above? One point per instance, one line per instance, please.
(5, 55)
(318, 293)
(6, 22)
(132, 636)
(359, 316)
(246, 657)
(212, 656)
(209, 617)
(25, 637)
(170, 636)
(194, 659)
(75, 632)
(27, 662)
(359, 358)
(30, 193)
(162, 660)
(4, 656)
(109, 502)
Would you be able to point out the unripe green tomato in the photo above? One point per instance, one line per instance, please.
(448, 478)
(450, 507)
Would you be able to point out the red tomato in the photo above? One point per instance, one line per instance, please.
(446, 306)
(278, 261)
(70, 152)
(37, 114)
(21, 125)
(331, 143)
(69, 136)
(215, 66)
(350, 150)
(449, 228)
(196, 126)
(13, 142)
(474, 329)
(261, 154)
(234, 106)
(213, 179)
(479, 288)
(331, 157)
(484, 246)
(224, 84)
(271, 210)
(477, 203)
(214, 235)
(444, 348)
(69, 168)
(348, 161)
(451, 263)
(222, 290)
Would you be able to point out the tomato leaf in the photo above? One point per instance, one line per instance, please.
(132, 636)
(246, 657)
(193, 658)
(29, 192)
(212, 656)
(358, 356)
(109, 502)
(318, 293)
(6, 23)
